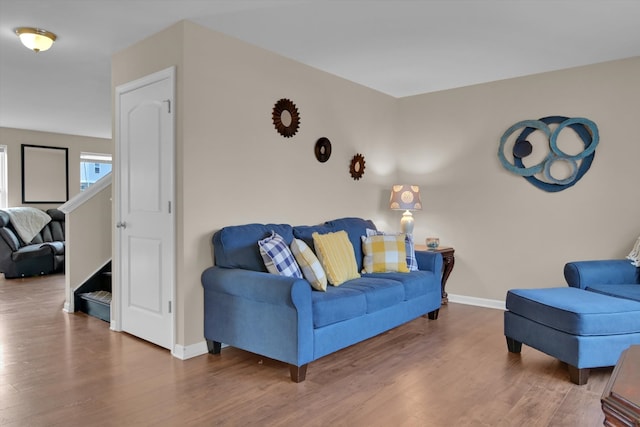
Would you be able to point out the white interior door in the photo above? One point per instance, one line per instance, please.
(145, 261)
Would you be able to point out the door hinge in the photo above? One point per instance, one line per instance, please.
(168, 101)
(169, 306)
(169, 206)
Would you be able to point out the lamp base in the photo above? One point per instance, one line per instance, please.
(406, 223)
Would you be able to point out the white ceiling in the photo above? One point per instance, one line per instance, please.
(397, 47)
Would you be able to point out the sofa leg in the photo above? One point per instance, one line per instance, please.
(214, 347)
(578, 376)
(433, 315)
(513, 345)
(298, 373)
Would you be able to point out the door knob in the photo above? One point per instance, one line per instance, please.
(121, 225)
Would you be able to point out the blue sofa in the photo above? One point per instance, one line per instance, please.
(283, 318)
(587, 325)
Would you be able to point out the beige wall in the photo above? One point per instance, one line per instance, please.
(237, 169)
(85, 256)
(233, 168)
(14, 138)
(506, 232)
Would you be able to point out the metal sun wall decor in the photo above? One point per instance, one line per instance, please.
(286, 117)
(356, 167)
(540, 174)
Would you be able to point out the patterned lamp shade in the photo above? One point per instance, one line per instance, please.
(405, 197)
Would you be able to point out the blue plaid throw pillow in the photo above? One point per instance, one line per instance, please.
(277, 256)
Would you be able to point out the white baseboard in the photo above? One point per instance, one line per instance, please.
(187, 352)
(480, 302)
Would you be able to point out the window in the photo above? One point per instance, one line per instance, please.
(93, 166)
(3, 177)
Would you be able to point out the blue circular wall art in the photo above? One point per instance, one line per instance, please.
(539, 174)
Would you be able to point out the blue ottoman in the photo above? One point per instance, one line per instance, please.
(582, 328)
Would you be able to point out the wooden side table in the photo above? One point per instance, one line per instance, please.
(621, 397)
(448, 261)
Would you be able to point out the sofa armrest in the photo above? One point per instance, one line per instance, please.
(258, 286)
(56, 247)
(259, 312)
(581, 274)
(429, 261)
(30, 252)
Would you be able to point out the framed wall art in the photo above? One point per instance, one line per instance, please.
(45, 174)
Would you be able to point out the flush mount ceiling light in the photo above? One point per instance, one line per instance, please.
(36, 39)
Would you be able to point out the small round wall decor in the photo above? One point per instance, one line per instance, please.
(286, 118)
(541, 174)
(323, 149)
(356, 168)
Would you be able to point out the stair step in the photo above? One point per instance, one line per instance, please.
(96, 304)
(98, 296)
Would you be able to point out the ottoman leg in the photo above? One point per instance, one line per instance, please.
(513, 345)
(578, 376)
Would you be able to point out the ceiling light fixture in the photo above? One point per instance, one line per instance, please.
(36, 39)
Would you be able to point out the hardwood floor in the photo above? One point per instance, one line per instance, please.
(71, 370)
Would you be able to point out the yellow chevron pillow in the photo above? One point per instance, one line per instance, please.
(335, 252)
(384, 253)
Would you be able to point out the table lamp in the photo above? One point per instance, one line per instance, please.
(407, 198)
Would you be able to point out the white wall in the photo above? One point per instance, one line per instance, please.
(14, 138)
(234, 168)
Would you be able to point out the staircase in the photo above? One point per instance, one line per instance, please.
(94, 296)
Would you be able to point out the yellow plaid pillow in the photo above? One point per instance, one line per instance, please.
(335, 252)
(384, 254)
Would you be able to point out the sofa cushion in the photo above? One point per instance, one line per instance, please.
(384, 253)
(416, 283)
(236, 246)
(5, 219)
(10, 237)
(56, 215)
(576, 311)
(305, 233)
(309, 264)
(355, 298)
(379, 292)
(336, 305)
(335, 252)
(631, 291)
(277, 256)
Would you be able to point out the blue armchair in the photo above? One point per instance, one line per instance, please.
(587, 325)
(615, 277)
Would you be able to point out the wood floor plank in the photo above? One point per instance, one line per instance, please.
(60, 369)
